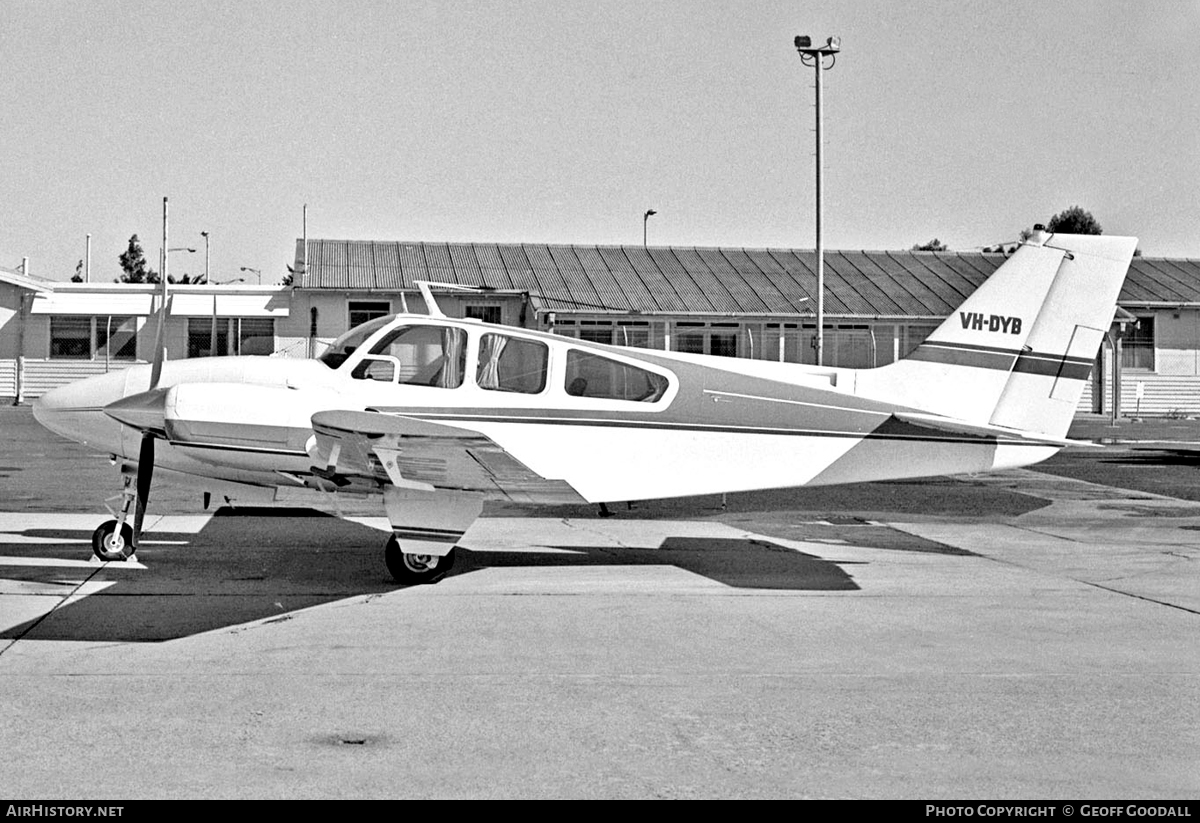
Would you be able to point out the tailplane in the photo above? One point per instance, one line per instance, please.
(1016, 354)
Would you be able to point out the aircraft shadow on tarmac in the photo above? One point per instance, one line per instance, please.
(1164, 456)
(249, 565)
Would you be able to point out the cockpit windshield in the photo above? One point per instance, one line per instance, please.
(346, 345)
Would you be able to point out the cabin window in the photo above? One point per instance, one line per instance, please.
(511, 364)
(349, 342)
(589, 375)
(93, 338)
(433, 356)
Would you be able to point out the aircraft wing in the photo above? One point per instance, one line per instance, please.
(413, 453)
(955, 426)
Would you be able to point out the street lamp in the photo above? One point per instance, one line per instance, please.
(646, 217)
(257, 273)
(163, 261)
(815, 57)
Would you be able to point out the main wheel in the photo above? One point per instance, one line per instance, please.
(108, 544)
(413, 569)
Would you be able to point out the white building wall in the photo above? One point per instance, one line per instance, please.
(8, 378)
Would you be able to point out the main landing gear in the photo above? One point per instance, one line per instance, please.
(426, 525)
(414, 569)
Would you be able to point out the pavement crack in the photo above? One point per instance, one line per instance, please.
(1141, 597)
(62, 599)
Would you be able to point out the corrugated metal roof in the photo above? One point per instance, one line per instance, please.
(672, 280)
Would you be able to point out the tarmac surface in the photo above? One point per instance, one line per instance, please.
(1024, 635)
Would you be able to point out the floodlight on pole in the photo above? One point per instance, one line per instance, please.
(257, 273)
(815, 56)
(645, 218)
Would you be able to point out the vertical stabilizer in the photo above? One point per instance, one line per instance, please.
(1016, 353)
(961, 369)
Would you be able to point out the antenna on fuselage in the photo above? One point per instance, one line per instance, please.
(426, 289)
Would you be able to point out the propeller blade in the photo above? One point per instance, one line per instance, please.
(145, 473)
(160, 352)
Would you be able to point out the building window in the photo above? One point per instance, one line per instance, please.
(207, 337)
(635, 334)
(71, 338)
(1137, 346)
(234, 336)
(717, 339)
(596, 331)
(723, 343)
(364, 311)
(488, 314)
(93, 338)
(255, 335)
(116, 338)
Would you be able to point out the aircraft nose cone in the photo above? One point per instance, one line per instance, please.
(76, 411)
(57, 410)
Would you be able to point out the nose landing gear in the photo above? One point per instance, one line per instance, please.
(113, 540)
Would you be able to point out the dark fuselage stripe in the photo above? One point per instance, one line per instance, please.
(990, 357)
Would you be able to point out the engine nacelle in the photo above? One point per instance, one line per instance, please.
(243, 426)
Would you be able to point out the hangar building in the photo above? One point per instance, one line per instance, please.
(756, 303)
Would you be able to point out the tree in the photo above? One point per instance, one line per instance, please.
(932, 245)
(77, 277)
(1074, 220)
(133, 264)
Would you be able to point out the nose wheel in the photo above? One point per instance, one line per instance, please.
(414, 569)
(113, 540)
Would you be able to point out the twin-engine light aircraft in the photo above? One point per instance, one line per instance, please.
(435, 414)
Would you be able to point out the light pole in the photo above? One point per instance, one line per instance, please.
(257, 273)
(204, 234)
(815, 57)
(645, 218)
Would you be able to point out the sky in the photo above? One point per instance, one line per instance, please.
(563, 121)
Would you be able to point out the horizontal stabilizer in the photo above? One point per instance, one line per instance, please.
(955, 426)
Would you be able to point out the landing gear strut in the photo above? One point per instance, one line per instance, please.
(415, 569)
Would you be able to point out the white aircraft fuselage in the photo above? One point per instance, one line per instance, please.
(722, 425)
